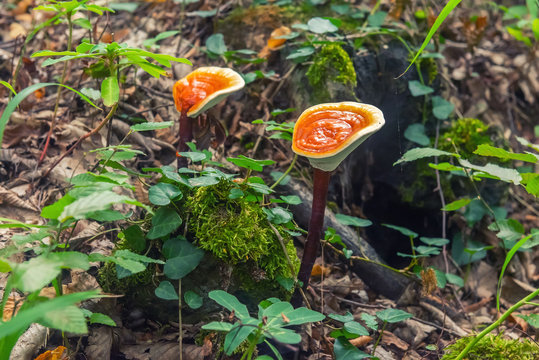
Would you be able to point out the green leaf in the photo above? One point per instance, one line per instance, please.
(352, 220)
(203, 181)
(342, 318)
(278, 215)
(98, 318)
(216, 44)
(488, 150)
(248, 163)
(166, 291)
(96, 201)
(318, 25)
(54, 210)
(162, 194)
(356, 328)
(69, 318)
(218, 326)
(150, 126)
(134, 236)
(519, 35)
(404, 231)
(532, 319)
(532, 186)
(229, 302)
(457, 204)
(110, 90)
(497, 172)
(186, 260)
(192, 299)
(377, 19)
(451, 4)
(535, 29)
(12, 105)
(454, 279)
(8, 85)
(343, 350)
(24, 318)
(164, 222)
(127, 6)
(508, 229)
(434, 241)
(301, 54)
(418, 89)
(238, 335)
(419, 153)
(370, 321)
(416, 133)
(441, 108)
(283, 335)
(393, 315)
(291, 199)
(83, 23)
(195, 156)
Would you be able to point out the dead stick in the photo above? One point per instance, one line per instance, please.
(83, 137)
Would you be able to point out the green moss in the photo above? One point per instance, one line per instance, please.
(237, 232)
(494, 348)
(466, 134)
(331, 64)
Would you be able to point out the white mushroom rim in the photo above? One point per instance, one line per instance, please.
(204, 88)
(327, 133)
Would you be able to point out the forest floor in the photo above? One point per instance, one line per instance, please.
(480, 69)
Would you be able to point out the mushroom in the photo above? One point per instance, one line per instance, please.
(326, 134)
(196, 93)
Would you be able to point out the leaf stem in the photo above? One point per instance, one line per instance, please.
(278, 181)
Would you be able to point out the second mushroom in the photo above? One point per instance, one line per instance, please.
(196, 93)
(326, 134)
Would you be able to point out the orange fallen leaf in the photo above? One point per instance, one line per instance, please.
(56, 354)
(361, 341)
(319, 270)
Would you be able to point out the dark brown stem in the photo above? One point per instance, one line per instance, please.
(320, 190)
(186, 135)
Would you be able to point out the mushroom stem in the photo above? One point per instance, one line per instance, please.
(320, 190)
(185, 135)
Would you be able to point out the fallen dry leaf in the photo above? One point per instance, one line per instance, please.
(361, 341)
(56, 354)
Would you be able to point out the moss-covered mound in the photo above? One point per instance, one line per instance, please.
(494, 348)
(237, 232)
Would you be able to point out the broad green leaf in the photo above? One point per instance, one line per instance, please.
(24, 318)
(218, 326)
(508, 229)
(301, 54)
(110, 90)
(237, 335)
(419, 153)
(248, 163)
(283, 335)
(69, 318)
(203, 181)
(457, 204)
(498, 172)
(354, 327)
(13, 103)
(532, 319)
(343, 350)
(166, 291)
(416, 133)
(370, 321)
(291, 199)
(303, 315)
(393, 315)
(162, 194)
(454, 279)
(186, 260)
(149, 126)
(96, 201)
(318, 25)
(404, 231)
(377, 19)
(230, 302)
(451, 4)
(532, 186)
(216, 44)
(192, 299)
(441, 108)
(195, 156)
(519, 35)
(342, 318)
(418, 89)
(54, 210)
(275, 309)
(164, 222)
(99, 318)
(488, 150)
(278, 215)
(352, 220)
(434, 241)
(134, 236)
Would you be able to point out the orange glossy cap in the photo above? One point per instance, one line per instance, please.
(327, 133)
(204, 88)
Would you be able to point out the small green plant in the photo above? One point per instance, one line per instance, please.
(272, 322)
(494, 347)
(524, 20)
(352, 329)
